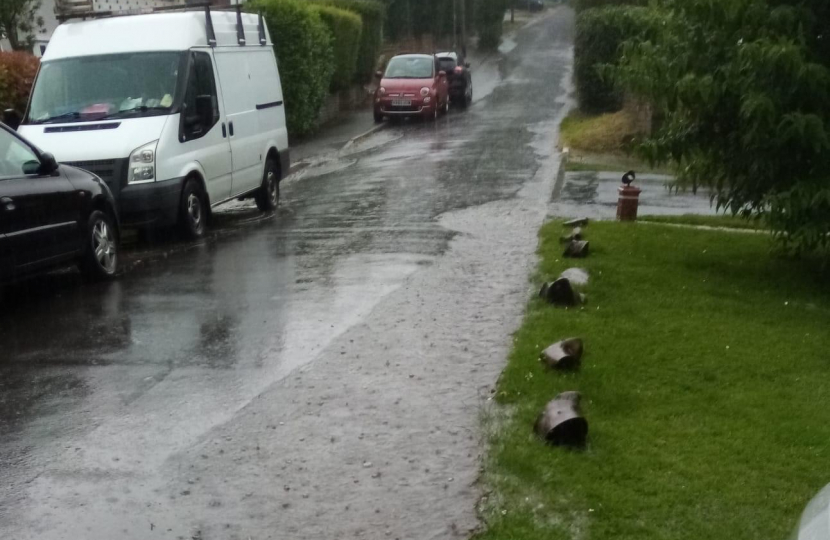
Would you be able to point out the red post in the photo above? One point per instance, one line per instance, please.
(627, 203)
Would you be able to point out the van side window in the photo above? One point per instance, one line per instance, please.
(201, 104)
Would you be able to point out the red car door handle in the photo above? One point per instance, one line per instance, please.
(8, 203)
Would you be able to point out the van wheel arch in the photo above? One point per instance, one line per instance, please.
(274, 154)
(194, 175)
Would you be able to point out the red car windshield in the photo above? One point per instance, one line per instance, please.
(410, 67)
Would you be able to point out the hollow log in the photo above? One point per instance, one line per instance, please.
(576, 249)
(565, 354)
(579, 222)
(577, 276)
(575, 234)
(560, 293)
(562, 423)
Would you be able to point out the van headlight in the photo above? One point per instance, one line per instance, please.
(143, 164)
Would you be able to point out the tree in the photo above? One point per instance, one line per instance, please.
(19, 21)
(746, 108)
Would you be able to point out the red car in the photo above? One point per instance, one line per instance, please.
(413, 85)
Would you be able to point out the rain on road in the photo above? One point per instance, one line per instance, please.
(320, 374)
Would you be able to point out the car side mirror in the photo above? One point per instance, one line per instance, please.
(12, 118)
(48, 164)
(379, 74)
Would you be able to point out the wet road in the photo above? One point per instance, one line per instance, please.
(319, 374)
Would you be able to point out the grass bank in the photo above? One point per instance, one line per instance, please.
(602, 142)
(705, 383)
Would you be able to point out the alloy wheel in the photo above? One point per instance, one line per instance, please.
(104, 246)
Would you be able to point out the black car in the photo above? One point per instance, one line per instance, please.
(52, 215)
(458, 76)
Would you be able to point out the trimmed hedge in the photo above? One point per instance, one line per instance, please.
(372, 13)
(489, 23)
(582, 5)
(346, 28)
(303, 46)
(17, 73)
(599, 35)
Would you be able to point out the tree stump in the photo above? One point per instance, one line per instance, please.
(565, 354)
(562, 423)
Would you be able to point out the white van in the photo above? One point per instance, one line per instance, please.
(176, 111)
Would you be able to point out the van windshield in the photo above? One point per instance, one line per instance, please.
(105, 86)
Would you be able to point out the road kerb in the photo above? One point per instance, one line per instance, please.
(363, 136)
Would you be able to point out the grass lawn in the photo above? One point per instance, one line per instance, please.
(705, 382)
(726, 221)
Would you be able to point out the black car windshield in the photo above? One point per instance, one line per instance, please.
(410, 67)
(105, 86)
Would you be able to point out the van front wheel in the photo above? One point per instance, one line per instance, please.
(268, 196)
(193, 210)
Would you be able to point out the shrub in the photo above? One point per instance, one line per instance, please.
(17, 73)
(372, 14)
(599, 34)
(581, 5)
(745, 104)
(304, 49)
(345, 28)
(489, 22)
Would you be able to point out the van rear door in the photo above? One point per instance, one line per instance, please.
(239, 94)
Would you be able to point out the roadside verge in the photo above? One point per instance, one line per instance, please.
(703, 357)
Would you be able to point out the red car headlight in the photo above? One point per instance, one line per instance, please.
(424, 91)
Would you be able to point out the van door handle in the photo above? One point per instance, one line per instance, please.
(8, 203)
(230, 128)
(224, 131)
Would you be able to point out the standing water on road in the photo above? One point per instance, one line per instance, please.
(317, 375)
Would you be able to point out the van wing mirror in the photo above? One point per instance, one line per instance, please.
(12, 118)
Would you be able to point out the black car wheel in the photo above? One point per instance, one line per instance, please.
(193, 210)
(99, 259)
(268, 196)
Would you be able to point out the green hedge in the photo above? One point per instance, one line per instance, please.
(599, 34)
(372, 13)
(346, 28)
(582, 5)
(303, 45)
(489, 21)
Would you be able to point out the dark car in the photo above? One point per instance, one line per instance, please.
(535, 5)
(52, 215)
(459, 77)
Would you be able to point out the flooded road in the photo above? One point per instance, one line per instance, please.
(318, 374)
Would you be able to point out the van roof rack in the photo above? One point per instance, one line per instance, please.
(83, 9)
